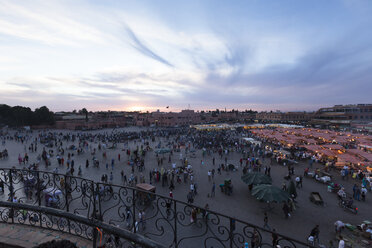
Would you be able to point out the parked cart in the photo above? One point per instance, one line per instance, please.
(142, 195)
(316, 198)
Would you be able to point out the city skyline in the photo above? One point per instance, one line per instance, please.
(168, 110)
(143, 55)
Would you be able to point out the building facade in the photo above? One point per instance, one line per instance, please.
(343, 115)
(284, 117)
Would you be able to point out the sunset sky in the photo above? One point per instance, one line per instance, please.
(146, 55)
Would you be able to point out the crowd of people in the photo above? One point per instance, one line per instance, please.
(108, 150)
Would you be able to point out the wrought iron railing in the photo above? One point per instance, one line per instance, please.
(76, 224)
(81, 205)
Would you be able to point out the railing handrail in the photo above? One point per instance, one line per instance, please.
(122, 233)
(164, 197)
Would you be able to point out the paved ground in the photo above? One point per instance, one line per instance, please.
(241, 204)
(27, 237)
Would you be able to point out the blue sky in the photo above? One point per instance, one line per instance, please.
(146, 55)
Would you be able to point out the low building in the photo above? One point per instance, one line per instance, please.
(171, 119)
(343, 115)
(284, 117)
(96, 120)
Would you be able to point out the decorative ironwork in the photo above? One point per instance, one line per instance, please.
(78, 206)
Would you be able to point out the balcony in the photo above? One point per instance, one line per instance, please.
(100, 213)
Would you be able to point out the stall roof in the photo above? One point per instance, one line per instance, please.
(311, 136)
(360, 153)
(348, 158)
(328, 153)
(334, 147)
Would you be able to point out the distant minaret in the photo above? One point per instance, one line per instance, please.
(189, 106)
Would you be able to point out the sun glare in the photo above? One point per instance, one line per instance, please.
(137, 108)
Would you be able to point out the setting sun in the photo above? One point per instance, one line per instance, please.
(137, 108)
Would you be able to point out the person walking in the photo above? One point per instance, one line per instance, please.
(364, 193)
(315, 234)
(298, 181)
(341, 243)
(357, 193)
(354, 191)
(266, 221)
(284, 186)
(190, 198)
(213, 192)
(80, 171)
(2, 185)
(141, 220)
(193, 215)
(171, 187)
(286, 210)
(274, 237)
(128, 216)
(125, 181)
(205, 212)
(168, 206)
(192, 188)
(111, 177)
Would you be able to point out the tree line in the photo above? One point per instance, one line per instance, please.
(22, 116)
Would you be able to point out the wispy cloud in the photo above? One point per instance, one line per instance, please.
(139, 46)
(46, 23)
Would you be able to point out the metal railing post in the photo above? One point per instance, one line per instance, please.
(175, 224)
(94, 237)
(92, 185)
(93, 195)
(11, 193)
(232, 229)
(134, 210)
(39, 195)
(99, 202)
(67, 203)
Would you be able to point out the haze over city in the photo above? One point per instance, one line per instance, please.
(146, 55)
